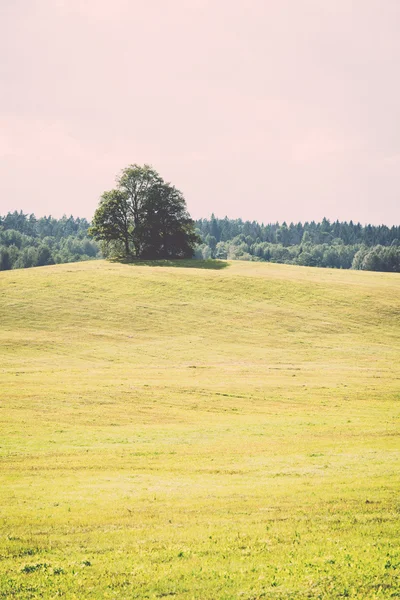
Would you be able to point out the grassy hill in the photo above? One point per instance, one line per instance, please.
(199, 433)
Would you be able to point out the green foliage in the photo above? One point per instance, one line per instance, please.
(324, 244)
(166, 229)
(26, 241)
(5, 260)
(147, 218)
(144, 217)
(378, 258)
(111, 221)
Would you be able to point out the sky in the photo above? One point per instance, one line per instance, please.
(266, 110)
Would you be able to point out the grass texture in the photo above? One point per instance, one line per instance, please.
(199, 433)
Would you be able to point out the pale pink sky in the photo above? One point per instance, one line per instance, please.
(260, 109)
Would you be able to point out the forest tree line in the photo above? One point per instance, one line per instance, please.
(341, 245)
(27, 241)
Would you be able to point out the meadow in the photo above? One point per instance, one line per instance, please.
(199, 433)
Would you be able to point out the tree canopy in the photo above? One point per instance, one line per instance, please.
(30, 241)
(341, 245)
(144, 217)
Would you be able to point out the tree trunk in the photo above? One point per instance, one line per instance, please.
(126, 246)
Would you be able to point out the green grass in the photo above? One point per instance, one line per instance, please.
(199, 433)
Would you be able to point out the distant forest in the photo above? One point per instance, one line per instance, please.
(339, 245)
(27, 241)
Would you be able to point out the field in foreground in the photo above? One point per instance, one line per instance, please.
(196, 433)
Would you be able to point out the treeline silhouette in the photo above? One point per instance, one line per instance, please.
(28, 241)
(342, 245)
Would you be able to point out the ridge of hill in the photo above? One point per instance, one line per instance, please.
(199, 432)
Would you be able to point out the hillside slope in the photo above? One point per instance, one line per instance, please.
(198, 432)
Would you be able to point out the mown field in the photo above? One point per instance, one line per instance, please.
(199, 433)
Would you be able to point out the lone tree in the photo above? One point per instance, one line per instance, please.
(144, 218)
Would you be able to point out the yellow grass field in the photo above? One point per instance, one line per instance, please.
(206, 433)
